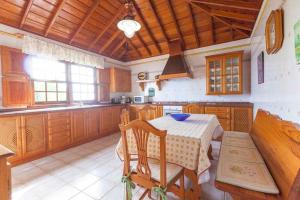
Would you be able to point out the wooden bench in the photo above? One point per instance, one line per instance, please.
(273, 147)
(5, 174)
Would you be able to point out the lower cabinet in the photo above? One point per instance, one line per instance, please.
(92, 123)
(10, 136)
(78, 128)
(223, 115)
(59, 130)
(241, 119)
(33, 135)
(110, 119)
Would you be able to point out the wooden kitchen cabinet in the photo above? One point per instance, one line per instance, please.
(59, 130)
(193, 109)
(110, 119)
(33, 135)
(78, 127)
(104, 92)
(16, 91)
(120, 80)
(241, 119)
(104, 76)
(223, 115)
(11, 137)
(92, 123)
(12, 61)
(224, 74)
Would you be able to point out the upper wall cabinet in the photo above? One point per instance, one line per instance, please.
(120, 80)
(104, 80)
(12, 61)
(224, 74)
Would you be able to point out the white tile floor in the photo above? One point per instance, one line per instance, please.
(88, 172)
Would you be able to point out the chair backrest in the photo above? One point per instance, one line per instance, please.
(141, 131)
(147, 113)
(193, 109)
(124, 117)
(279, 143)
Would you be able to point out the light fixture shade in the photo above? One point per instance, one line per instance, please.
(129, 26)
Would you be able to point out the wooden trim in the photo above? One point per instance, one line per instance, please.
(26, 11)
(86, 18)
(179, 75)
(55, 15)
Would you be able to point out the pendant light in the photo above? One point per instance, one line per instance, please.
(128, 25)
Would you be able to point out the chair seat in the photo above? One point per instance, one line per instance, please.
(172, 169)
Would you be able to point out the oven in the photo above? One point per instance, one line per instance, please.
(171, 110)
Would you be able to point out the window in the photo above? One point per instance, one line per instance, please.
(83, 83)
(49, 80)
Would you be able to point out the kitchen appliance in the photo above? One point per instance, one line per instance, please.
(123, 100)
(140, 99)
(115, 100)
(167, 110)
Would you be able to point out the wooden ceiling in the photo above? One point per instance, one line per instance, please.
(91, 24)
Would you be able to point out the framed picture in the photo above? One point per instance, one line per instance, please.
(260, 68)
(297, 41)
(274, 31)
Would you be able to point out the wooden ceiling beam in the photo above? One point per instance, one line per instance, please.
(118, 46)
(207, 10)
(122, 54)
(191, 14)
(171, 9)
(144, 44)
(85, 20)
(243, 27)
(230, 4)
(153, 9)
(109, 24)
(234, 15)
(134, 47)
(109, 41)
(26, 11)
(55, 15)
(146, 26)
(212, 29)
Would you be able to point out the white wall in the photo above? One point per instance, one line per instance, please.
(185, 89)
(280, 93)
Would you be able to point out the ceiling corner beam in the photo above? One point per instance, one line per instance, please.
(109, 41)
(86, 18)
(212, 28)
(191, 14)
(207, 10)
(122, 54)
(145, 24)
(134, 47)
(230, 4)
(107, 26)
(174, 18)
(153, 9)
(26, 11)
(118, 47)
(55, 15)
(144, 44)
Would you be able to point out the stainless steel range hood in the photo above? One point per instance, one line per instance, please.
(176, 66)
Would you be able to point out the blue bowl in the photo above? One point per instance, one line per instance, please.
(180, 116)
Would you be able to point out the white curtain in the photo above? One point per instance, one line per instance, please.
(39, 47)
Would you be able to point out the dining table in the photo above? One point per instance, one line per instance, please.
(187, 145)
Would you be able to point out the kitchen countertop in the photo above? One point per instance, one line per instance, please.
(16, 111)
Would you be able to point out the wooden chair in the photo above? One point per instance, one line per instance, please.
(193, 109)
(125, 117)
(147, 113)
(149, 173)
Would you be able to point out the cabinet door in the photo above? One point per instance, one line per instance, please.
(106, 121)
(233, 81)
(16, 91)
(120, 80)
(12, 61)
(193, 109)
(214, 75)
(127, 80)
(104, 92)
(78, 130)
(116, 118)
(241, 119)
(92, 117)
(10, 136)
(59, 130)
(223, 115)
(104, 76)
(33, 135)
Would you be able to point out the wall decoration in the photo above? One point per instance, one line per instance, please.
(297, 41)
(151, 92)
(143, 76)
(260, 68)
(274, 31)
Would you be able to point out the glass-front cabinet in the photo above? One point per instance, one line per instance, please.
(224, 74)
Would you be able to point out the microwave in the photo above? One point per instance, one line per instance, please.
(140, 99)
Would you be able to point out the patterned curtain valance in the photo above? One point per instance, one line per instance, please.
(39, 47)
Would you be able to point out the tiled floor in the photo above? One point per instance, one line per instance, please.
(87, 172)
